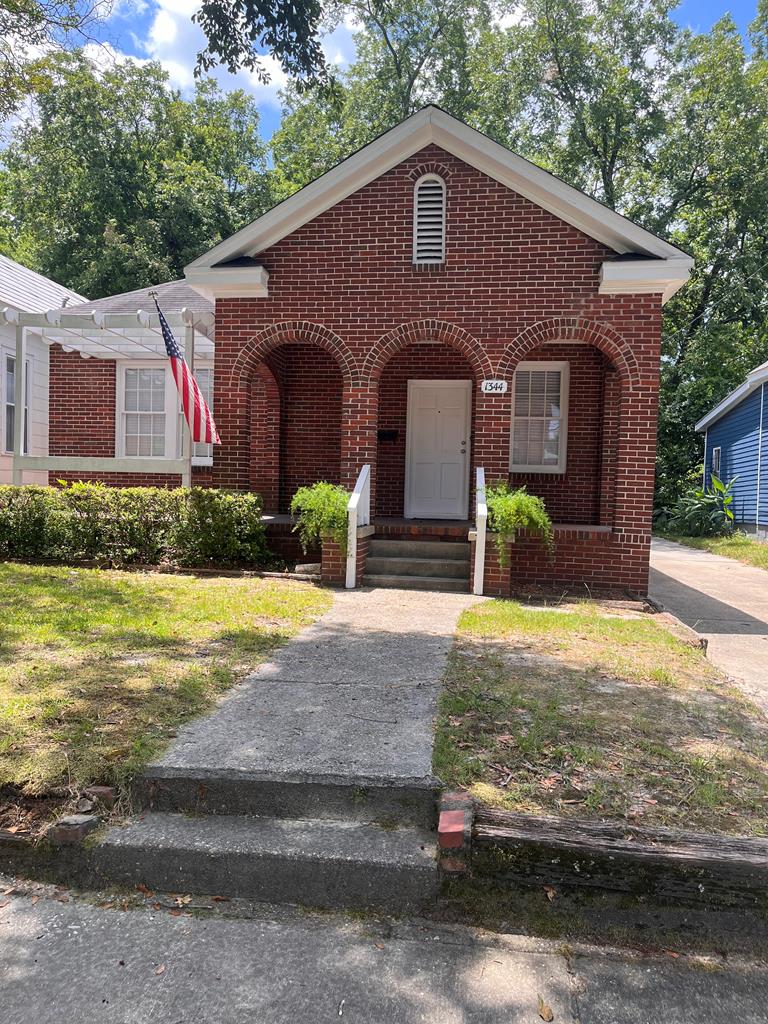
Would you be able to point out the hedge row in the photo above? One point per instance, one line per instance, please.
(132, 525)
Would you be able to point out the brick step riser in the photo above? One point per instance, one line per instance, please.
(281, 798)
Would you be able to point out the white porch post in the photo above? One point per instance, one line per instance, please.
(189, 355)
(20, 383)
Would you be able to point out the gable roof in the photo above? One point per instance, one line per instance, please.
(27, 291)
(755, 379)
(427, 126)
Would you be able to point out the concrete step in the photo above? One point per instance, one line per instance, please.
(406, 548)
(418, 583)
(314, 863)
(298, 795)
(453, 568)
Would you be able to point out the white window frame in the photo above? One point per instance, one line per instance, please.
(432, 261)
(712, 470)
(197, 460)
(171, 432)
(175, 430)
(5, 355)
(565, 373)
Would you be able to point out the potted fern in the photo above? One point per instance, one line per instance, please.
(321, 511)
(510, 511)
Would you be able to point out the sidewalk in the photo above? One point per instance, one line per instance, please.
(74, 961)
(723, 600)
(353, 696)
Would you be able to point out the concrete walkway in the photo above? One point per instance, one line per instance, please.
(72, 961)
(354, 695)
(724, 601)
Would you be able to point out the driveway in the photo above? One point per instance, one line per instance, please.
(723, 600)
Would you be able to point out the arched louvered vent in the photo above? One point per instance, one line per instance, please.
(429, 220)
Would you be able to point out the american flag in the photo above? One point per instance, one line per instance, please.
(196, 411)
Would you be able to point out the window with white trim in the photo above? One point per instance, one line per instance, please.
(429, 220)
(202, 453)
(9, 396)
(539, 418)
(150, 421)
(716, 462)
(144, 412)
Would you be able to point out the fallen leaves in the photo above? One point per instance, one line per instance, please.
(545, 1010)
(550, 893)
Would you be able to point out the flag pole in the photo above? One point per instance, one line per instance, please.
(189, 355)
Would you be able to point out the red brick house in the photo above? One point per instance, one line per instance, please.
(432, 306)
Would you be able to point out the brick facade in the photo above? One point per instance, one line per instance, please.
(306, 377)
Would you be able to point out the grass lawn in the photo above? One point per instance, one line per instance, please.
(98, 668)
(581, 712)
(739, 546)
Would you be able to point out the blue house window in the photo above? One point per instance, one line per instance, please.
(716, 462)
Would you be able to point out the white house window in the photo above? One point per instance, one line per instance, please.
(539, 418)
(716, 462)
(150, 421)
(10, 404)
(429, 220)
(144, 426)
(202, 454)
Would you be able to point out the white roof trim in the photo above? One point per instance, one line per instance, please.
(754, 380)
(223, 282)
(638, 277)
(432, 125)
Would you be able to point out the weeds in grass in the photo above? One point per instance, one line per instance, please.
(581, 713)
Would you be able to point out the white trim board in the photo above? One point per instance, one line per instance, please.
(427, 126)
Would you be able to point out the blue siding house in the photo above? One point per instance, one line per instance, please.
(736, 445)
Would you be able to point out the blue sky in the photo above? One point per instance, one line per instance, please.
(162, 30)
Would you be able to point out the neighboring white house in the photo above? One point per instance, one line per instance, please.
(25, 291)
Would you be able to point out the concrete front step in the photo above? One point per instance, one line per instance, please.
(224, 791)
(315, 863)
(452, 568)
(418, 583)
(405, 548)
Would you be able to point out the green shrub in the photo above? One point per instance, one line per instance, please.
(511, 511)
(321, 511)
(702, 512)
(132, 525)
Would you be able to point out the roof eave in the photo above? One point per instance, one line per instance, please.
(432, 125)
(753, 381)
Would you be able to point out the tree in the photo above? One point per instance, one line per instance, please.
(33, 33)
(119, 181)
(238, 31)
(409, 53)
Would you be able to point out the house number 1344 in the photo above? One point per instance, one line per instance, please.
(494, 387)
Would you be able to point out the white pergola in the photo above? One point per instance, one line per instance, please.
(114, 336)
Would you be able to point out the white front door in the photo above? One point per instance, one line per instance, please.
(437, 449)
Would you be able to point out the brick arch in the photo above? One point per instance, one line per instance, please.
(578, 329)
(300, 332)
(430, 167)
(426, 330)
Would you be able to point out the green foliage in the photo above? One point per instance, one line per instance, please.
(704, 512)
(321, 511)
(118, 182)
(238, 31)
(511, 511)
(132, 525)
